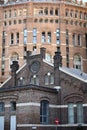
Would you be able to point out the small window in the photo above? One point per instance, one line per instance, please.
(77, 62)
(67, 37)
(80, 24)
(58, 36)
(24, 20)
(79, 39)
(20, 12)
(1, 106)
(43, 37)
(51, 11)
(76, 14)
(20, 21)
(46, 20)
(46, 79)
(9, 22)
(15, 13)
(57, 12)
(85, 16)
(13, 106)
(5, 23)
(5, 14)
(71, 22)
(74, 39)
(34, 35)
(67, 22)
(49, 37)
(40, 12)
(51, 21)
(21, 81)
(46, 11)
(56, 21)
(17, 37)
(81, 15)
(25, 36)
(9, 13)
(36, 20)
(34, 80)
(41, 20)
(67, 13)
(76, 23)
(24, 12)
(15, 22)
(51, 79)
(12, 38)
(71, 13)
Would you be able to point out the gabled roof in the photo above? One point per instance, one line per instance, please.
(76, 73)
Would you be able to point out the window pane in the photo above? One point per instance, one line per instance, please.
(79, 113)
(43, 37)
(12, 39)
(1, 107)
(13, 106)
(46, 80)
(51, 79)
(70, 113)
(49, 37)
(44, 112)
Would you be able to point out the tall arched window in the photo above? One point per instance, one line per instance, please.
(49, 78)
(44, 112)
(34, 80)
(21, 81)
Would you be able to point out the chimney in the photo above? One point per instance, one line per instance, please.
(57, 59)
(14, 67)
(28, 55)
(57, 64)
(43, 52)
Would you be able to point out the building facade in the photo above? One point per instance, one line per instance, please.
(30, 25)
(42, 95)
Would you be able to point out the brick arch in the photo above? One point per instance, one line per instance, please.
(44, 98)
(74, 97)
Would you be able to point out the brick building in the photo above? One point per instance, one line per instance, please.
(40, 93)
(32, 24)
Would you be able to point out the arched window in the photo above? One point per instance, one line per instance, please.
(46, 11)
(56, 12)
(49, 78)
(46, 79)
(21, 81)
(44, 112)
(51, 11)
(34, 80)
(77, 62)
